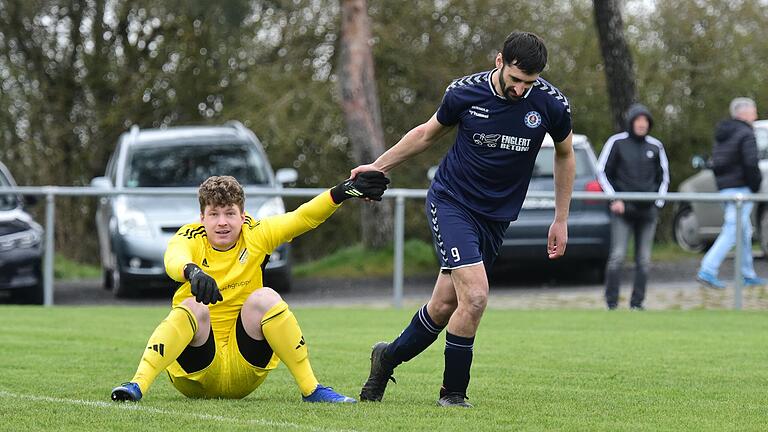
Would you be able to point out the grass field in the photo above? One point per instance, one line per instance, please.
(533, 370)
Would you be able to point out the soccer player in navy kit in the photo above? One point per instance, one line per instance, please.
(502, 117)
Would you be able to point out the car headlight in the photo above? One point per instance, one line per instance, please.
(22, 240)
(273, 206)
(132, 223)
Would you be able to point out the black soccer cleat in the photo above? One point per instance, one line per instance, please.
(381, 374)
(453, 400)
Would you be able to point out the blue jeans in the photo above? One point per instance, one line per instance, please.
(622, 228)
(727, 239)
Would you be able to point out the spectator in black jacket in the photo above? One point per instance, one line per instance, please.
(632, 161)
(734, 161)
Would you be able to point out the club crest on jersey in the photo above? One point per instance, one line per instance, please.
(533, 119)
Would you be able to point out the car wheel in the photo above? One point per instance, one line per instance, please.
(279, 281)
(597, 272)
(30, 295)
(120, 285)
(686, 230)
(106, 279)
(34, 294)
(764, 231)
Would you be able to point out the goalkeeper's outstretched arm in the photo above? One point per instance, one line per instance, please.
(282, 228)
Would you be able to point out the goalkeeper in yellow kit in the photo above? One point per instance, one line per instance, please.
(226, 331)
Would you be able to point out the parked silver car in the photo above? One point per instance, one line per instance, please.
(697, 224)
(134, 230)
(589, 222)
(21, 247)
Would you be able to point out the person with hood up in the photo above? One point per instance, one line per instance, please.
(632, 161)
(735, 164)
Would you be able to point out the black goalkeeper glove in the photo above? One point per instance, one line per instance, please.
(203, 286)
(367, 184)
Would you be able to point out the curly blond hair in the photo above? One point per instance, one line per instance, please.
(221, 191)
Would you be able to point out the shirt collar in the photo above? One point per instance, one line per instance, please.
(495, 93)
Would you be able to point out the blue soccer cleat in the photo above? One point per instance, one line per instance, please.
(129, 391)
(326, 394)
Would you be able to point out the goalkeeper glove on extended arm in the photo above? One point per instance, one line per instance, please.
(367, 184)
(203, 286)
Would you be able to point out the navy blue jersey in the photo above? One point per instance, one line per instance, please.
(489, 166)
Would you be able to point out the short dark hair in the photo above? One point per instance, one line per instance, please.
(221, 191)
(526, 51)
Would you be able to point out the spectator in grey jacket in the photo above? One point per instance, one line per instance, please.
(735, 163)
(632, 161)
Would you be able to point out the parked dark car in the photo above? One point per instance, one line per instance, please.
(589, 223)
(697, 224)
(134, 230)
(21, 247)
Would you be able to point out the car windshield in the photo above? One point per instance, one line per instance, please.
(190, 165)
(545, 163)
(7, 202)
(761, 136)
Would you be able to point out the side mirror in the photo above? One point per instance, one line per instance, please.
(101, 183)
(698, 162)
(30, 200)
(431, 172)
(286, 175)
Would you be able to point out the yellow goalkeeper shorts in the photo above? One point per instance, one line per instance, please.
(229, 375)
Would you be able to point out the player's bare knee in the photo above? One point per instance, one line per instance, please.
(260, 301)
(200, 311)
(475, 301)
(441, 310)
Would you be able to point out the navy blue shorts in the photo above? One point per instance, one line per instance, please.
(461, 237)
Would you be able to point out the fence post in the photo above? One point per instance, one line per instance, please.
(50, 211)
(397, 283)
(737, 276)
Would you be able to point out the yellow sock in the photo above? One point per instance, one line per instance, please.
(283, 334)
(166, 344)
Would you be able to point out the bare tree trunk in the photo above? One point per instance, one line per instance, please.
(361, 111)
(619, 67)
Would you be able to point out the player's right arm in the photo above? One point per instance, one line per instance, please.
(183, 248)
(414, 142)
(181, 259)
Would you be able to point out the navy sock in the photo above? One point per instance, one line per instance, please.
(458, 360)
(419, 334)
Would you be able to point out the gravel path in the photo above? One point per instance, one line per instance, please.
(670, 286)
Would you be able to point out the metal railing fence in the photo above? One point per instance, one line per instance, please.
(399, 195)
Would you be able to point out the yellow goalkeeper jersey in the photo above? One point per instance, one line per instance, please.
(238, 271)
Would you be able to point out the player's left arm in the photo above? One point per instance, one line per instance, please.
(278, 229)
(565, 170)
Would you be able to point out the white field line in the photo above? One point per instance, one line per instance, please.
(145, 409)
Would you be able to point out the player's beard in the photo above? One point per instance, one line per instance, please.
(505, 91)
